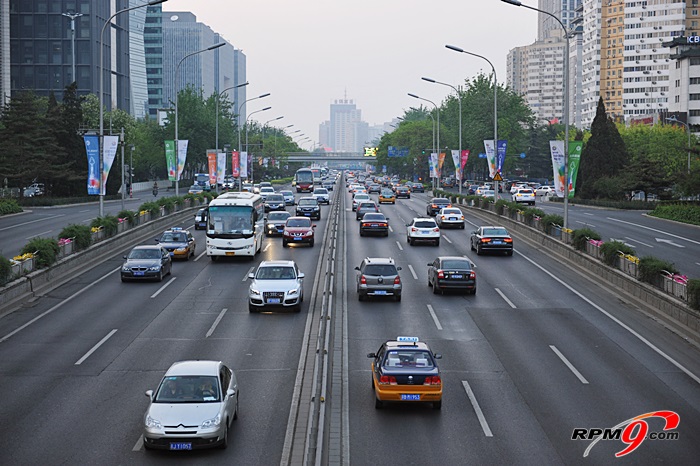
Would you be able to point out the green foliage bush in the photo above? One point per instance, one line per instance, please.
(108, 223)
(500, 205)
(693, 293)
(581, 237)
(611, 251)
(686, 213)
(45, 251)
(532, 212)
(167, 202)
(651, 269)
(79, 233)
(151, 206)
(548, 220)
(9, 206)
(5, 270)
(129, 215)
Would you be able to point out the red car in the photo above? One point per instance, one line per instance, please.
(298, 230)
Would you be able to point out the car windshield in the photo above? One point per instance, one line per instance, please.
(307, 202)
(278, 216)
(173, 238)
(275, 198)
(189, 389)
(286, 193)
(373, 217)
(495, 231)
(144, 254)
(276, 273)
(456, 264)
(408, 358)
(425, 224)
(299, 222)
(320, 191)
(380, 269)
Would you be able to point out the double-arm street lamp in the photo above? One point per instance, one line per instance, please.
(240, 107)
(218, 100)
(252, 164)
(73, 17)
(459, 101)
(437, 111)
(566, 103)
(102, 113)
(673, 119)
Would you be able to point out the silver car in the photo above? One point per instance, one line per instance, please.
(378, 276)
(276, 284)
(193, 407)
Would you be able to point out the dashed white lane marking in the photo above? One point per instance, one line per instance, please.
(505, 298)
(216, 322)
(435, 319)
(94, 348)
(39, 234)
(568, 364)
(413, 272)
(200, 256)
(447, 239)
(267, 246)
(399, 245)
(160, 290)
(477, 409)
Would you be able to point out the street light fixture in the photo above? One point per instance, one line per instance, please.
(438, 134)
(218, 100)
(246, 137)
(240, 107)
(72, 17)
(673, 119)
(102, 113)
(459, 100)
(566, 103)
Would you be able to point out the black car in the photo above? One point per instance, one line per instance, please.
(365, 207)
(309, 207)
(374, 223)
(403, 191)
(451, 273)
(418, 188)
(275, 202)
(436, 204)
(146, 263)
(274, 223)
(491, 238)
(200, 219)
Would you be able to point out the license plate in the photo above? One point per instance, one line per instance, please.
(273, 300)
(230, 253)
(457, 276)
(138, 274)
(453, 218)
(405, 397)
(424, 232)
(374, 225)
(497, 242)
(181, 446)
(172, 254)
(297, 239)
(380, 292)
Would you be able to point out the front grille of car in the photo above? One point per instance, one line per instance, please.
(273, 294)
(139, 269)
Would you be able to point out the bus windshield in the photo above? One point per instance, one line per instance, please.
(230, 222)
(305, 176)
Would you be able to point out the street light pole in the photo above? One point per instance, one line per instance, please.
(102, 117)
(673, 119)
(240, 154)
(177, 76)
(438, 133)
(459, 101)
(252, 164)
(495, 105)
(131, 171)
(72, 17)
(566, 103)
(218, 97)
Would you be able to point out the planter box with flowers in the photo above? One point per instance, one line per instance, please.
(676, 284)
(97, 234)
(65, 247)
(22, 264)
(593, 247)
(144, 216)
(162, 211)
(567, 235)
(629, 264)
(122, 224)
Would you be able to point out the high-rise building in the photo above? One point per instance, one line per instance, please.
(684, 80)
(565, 10)
(137, 61)
(153, 44)
(348, 133)
(4, 49)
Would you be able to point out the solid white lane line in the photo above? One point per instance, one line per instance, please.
(200, 256)
(94, 348)
(615, 319)
(32, 221)
(139, 444)
(477, 409)
(447, 239)
(267, 246)
(568, 364)
(654, 229)
(163, 287)
(413, 272)
(636, 241)
(38, 234)
(399, 245)
(82, 211)
(250, 270)
(69, 298)
(505, 298)
(435, 319)
(216, 322)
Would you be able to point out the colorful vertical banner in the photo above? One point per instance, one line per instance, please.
(465, 158)
(220, 167)
(92, 147)
(575, 148)
(181, 156)
(109, 152)
(432, 163)
(244, 164)
(501, 154)
(490, 156)
(556, 148)
(211, 165)
(235, 164)
(441, 161)
(171, 160)
(455, 160)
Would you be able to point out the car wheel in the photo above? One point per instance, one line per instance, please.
(471, 245)
(437, 242)
(311, 243)
(160, 276)
(397, 298)
(224, 443)
(360, 297)
(361, 232)
(378, 404)
(252, 308)
(386, 234)
(437, 404)
(123, 279)
(478, 250)
(284, 243)
(214, 258)
(170, 269)
(472, 291)
(235, 412)
(461, 227)
(509, 253)
(436, 288)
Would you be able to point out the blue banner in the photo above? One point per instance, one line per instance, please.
(501, 154)
(392, 151)
(92, 147)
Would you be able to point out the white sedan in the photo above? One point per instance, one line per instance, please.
(423, 229)
(524, 196)
(545, 191)
(276, 284)
(450, 217)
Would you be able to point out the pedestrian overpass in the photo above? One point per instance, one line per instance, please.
(329, 157)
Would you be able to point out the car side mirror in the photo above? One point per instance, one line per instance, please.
(251, 275)
(301, 275)
(314, 225)
(157, 240)
(123, 257)
(371, 355)
(398, 268)
(357, 268)
(437, 356)
(408, 224)
(149, 393)
(430, 264)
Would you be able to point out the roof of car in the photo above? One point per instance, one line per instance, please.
(277, 263)
(147, 246)
(194, 368)
(379, 260)
(392, 344)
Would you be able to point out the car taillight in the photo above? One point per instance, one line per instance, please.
(436, 229)
(397, 280)
(363, 280)
(441, 274)
(472, 275)
(432, 380)
(414, 229)
(508, 240)
(442, 217)
(382, 224)
(434, 206)
(387, 379)
(485, 240)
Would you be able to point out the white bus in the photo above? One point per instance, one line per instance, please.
(235, 225)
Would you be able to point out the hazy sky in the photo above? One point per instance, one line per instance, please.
(307, 53)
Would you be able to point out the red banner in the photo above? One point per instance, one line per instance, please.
(235, 164)
(211, 158)
(465, 157)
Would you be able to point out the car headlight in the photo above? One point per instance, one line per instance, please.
(153, 423)
(254, 292)
(183, 249)
(293, 292)
(126, 268)
(209, 423)
(310, 233)
(155, 268)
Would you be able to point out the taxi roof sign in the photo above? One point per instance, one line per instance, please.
(408, 339)
(176, 229)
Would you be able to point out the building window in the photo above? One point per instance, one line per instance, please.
(694, 96)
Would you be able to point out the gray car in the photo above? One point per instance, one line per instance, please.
(192, 408)
(276, 284)
(378, 276)
(146, 263)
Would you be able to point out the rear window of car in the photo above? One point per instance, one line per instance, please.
(367, 205)
(456, 264)
(380, 269)
(408, 358)
(452, 211)
(525, 191)
(374, 217)
(425, 224)
(495, 231)
(440, 200)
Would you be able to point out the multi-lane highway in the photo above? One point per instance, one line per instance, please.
(537, 352)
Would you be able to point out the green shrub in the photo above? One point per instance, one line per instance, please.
(693, 293)
(167, 202)
(651, 270)
(611, 251)
(79, 233)
(532, 212)
(500, 204)
(128, 215)
(547, 221)
(152, 207)
(581, 237)
(5, 270)
(686, 213)
(9, 206)
(45, 251)
(108, 223)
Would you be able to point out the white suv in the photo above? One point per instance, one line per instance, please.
(525, 195)
(423, 229)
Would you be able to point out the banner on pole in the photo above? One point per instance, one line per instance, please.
(220, 167)
(556, 148)
(465, 157)
(92, 147)
(432, 164)
(244, 164)
(235, 164)
(109, 152)
(171, 160)
(181, 157)
(455, 160)
(575, 148)
(501, 154)
(490, 156)
(211, 166)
